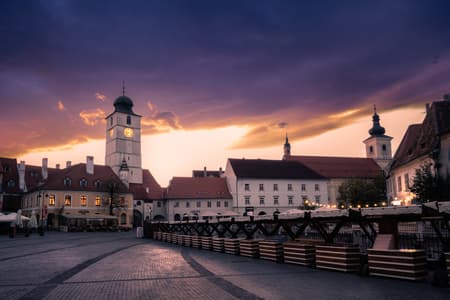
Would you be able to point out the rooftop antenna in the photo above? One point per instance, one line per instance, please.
(123, 87)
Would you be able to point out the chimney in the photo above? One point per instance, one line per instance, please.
(21, 169)
(220, 171)
(68, 164)
(90, 165)
(44, 168)
(427, 108)
(58, 166)
(204, 172)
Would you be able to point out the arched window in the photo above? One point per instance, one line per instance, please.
(371, 149)
(68, 200)
(128, 120)
(67, 182)
(123, 219)
(177, 217)
(383, 147)
(97, 184)
(83, 183)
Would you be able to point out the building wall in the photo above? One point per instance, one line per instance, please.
(32, 201)
(397, 185)
(444, 158)
(190, 207)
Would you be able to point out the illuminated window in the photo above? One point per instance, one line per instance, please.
(290, 200)
(275, 200)
(275, 187)
(51, 200)
(247, 200)
(289, 187)
(68, 200)
(83, 200)
(98, 201)
(261, 187)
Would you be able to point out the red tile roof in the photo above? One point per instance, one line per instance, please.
(340, 167)
(272, 169)
(198, 188)
(155, 191)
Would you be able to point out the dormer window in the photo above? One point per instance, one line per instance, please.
(128, 120)
(11, 183)
(97, 184)
(67, 182)
(83, 183)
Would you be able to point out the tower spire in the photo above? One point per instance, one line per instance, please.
(286, 148)
(376, 129)
(123, 87)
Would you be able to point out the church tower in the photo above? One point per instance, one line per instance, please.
(286, 148)
(123, 140)
(378, 145)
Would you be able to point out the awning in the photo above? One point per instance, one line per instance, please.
(11, 217)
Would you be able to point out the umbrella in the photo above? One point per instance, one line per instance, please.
(11, 217)
(33, 221)
(292, 211)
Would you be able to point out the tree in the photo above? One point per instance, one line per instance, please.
(362, 192)
(428, 187)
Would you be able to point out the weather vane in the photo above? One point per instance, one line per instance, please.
(123, 87)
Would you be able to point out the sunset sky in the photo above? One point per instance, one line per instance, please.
(216, 79)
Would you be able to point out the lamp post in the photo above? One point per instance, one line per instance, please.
(43, 208)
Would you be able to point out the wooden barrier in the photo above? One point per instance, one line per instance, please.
(196, 242)
(218, 245)
(339, 258)
(187, 240)
(206, 242)
(271, 250)
(180, 240)
(447, 256)
(155, 235)
(231, 246)
(249, 248)
(164, 236)
(173, 238)
(409, 264)
(299, 253)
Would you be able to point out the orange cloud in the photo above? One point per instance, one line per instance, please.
(92, 117)
(159, 121)
(100, 96)
(61, 106)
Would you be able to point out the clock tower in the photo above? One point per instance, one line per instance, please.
(123, 139)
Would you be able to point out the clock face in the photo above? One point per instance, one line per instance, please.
(128, 132)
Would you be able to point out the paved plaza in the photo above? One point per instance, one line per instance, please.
(120, 266)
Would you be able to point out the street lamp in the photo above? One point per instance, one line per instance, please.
(43, 208)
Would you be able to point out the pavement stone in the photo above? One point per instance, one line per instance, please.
(120, 266)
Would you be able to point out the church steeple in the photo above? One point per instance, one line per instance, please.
(377, 129)
(287, 148)
(378, 145)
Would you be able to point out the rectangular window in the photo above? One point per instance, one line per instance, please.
(158, 203)
(261, 200)
(316, 187)
(247, 200)
(51, 200)
(98, 201)
(247, 187)
(176, 204)
(188, 204)
(83, 200)
(317, 198)
(209, 203)
(289, 187)
(275, 200)
(275, 187)
(225, 203)
(199, 204)
(68, 200)
(399, 182)
(290, 200)
(261, 187)
(218, 204)
(407, 182)
(394, 186)
(303, 187)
